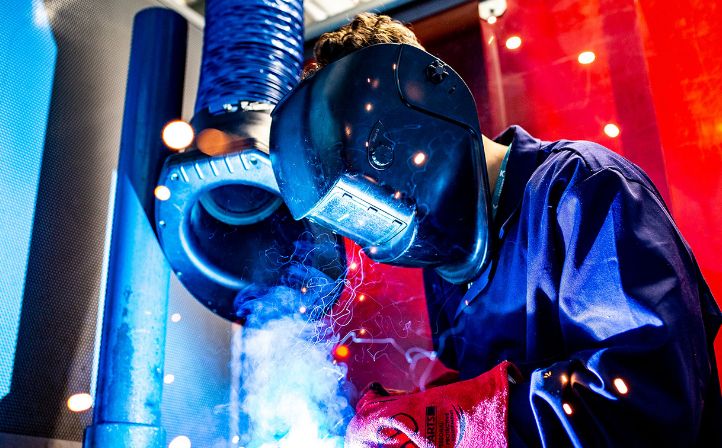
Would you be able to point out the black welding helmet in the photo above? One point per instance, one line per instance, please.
(383, 146)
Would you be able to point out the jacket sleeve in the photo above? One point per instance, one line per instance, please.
(630, 315)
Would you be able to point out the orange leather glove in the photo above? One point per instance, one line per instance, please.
(466, 414)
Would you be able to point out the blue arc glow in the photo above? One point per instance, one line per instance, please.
(292, 393)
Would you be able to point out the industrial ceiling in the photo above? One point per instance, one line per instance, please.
(326, 15)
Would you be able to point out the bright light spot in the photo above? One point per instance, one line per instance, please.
(80, 402)
(302, 310)
(567, 408)
(180, 442)
(621, 386)
(169, 378)
(368, 80)
(304, 290)
(362, 331)
(40, 16)
(362, 297)
(162, 193)
(586, 57)
(397, 195)
(342, 351)
(175, 317)
(369, 107)
(373, 249)
(491, 20)
(612, 130)
(393, 66)
(564, 379)
(353, 266)
(235, 439)
(513, 42)
(466, 302)
(419, 159)
(178, 135)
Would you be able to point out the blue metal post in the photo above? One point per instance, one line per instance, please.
(130, 373)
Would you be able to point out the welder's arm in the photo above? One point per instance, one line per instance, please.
(630, 310)
(465, 414)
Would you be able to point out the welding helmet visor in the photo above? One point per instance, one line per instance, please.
(383, 147)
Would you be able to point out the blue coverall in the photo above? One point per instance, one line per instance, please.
(596, 297)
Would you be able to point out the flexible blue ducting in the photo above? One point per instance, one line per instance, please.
(252, 51)
(224, 212)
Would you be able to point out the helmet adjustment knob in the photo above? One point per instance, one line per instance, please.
(436, 72)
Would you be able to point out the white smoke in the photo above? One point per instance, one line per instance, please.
(291, 388)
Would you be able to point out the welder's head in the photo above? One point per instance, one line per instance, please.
(382, 145)
(364, 30)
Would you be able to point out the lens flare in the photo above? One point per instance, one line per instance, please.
(612, 130)
(80, 402)
(162, 193)
(419, 158)
(214, 142)
(178, 135)
(586, 57)
(513, 43)
(180, 442)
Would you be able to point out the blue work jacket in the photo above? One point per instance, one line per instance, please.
(595, 296)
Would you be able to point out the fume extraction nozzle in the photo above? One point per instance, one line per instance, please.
(222, 224)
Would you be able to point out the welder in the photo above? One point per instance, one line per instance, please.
(558, 285)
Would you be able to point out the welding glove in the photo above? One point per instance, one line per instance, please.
(466, 414)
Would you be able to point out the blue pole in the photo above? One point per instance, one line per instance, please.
(130, 371)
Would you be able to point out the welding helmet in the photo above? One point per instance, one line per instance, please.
(383, 146)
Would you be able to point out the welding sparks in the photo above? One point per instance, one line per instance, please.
(419, 158)
(342, 351)
(621, 386)
(567, 408)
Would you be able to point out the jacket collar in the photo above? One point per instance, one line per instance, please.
(524, 157)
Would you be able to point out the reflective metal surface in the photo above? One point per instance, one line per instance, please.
(383, 147)
(224, 229)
